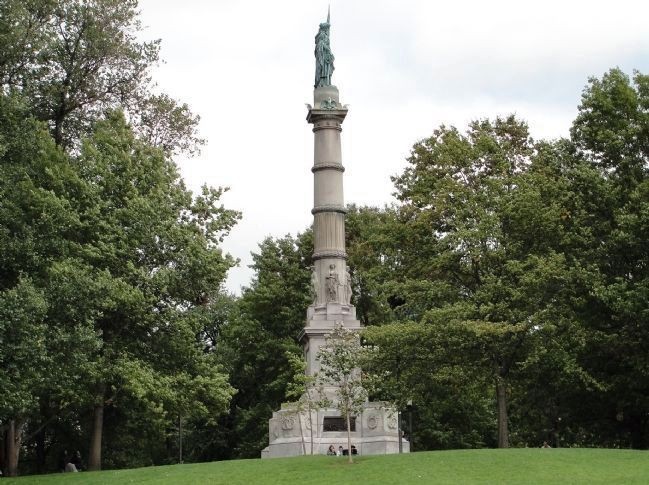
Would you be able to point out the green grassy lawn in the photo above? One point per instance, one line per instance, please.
(566, 466)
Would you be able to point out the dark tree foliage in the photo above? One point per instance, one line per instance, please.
(551, 235)
(117, 263)
(375, 257)
(112, 269)
(74, 59)
(254, 343)
(611, 132)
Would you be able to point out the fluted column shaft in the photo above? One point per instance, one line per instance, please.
(330, 269)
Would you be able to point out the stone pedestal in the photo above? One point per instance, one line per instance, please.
(290, 432)
(376, 432)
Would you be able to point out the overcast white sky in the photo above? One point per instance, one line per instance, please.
(404, 67)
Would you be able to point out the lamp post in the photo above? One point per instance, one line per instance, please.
(399, 437)
(399, 431)
(409, 407)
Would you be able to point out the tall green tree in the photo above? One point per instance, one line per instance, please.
(104, 229)
(126, 258)
(37, 223)
(489, 229)
(611, 132)
(424, 369)
(153, 247)
(377, 262)
(255, 343)
(22, 355)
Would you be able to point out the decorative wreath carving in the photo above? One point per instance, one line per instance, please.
(288, 422)
(372, 422)
(392, 422)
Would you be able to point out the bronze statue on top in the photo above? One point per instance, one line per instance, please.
(324, 58)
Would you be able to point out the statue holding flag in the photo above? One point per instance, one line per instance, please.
(324, 58)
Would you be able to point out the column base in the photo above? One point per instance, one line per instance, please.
(376, 432)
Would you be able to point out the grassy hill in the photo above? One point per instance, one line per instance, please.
(458, 467)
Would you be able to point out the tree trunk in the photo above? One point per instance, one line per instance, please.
(41, 452)
(180, 439)
(3, 448)
(639, 435)
(299, 423)
(58, 130)
(40, 437)
(59, 115)
(311, 427)
(13, 447)
(501, 398)
(412, 448)
(349, 440)
(399, 431)
(94, 455)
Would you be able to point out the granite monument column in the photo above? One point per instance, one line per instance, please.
(330, 278)
(376, 429)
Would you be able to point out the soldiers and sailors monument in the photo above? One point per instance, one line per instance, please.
(375, 430)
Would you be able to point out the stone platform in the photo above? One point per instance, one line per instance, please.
(290, 435)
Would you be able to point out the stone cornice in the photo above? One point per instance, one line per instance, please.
(316, 115)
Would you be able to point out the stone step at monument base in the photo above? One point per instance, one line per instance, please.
(287, 447)
(374, 432)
